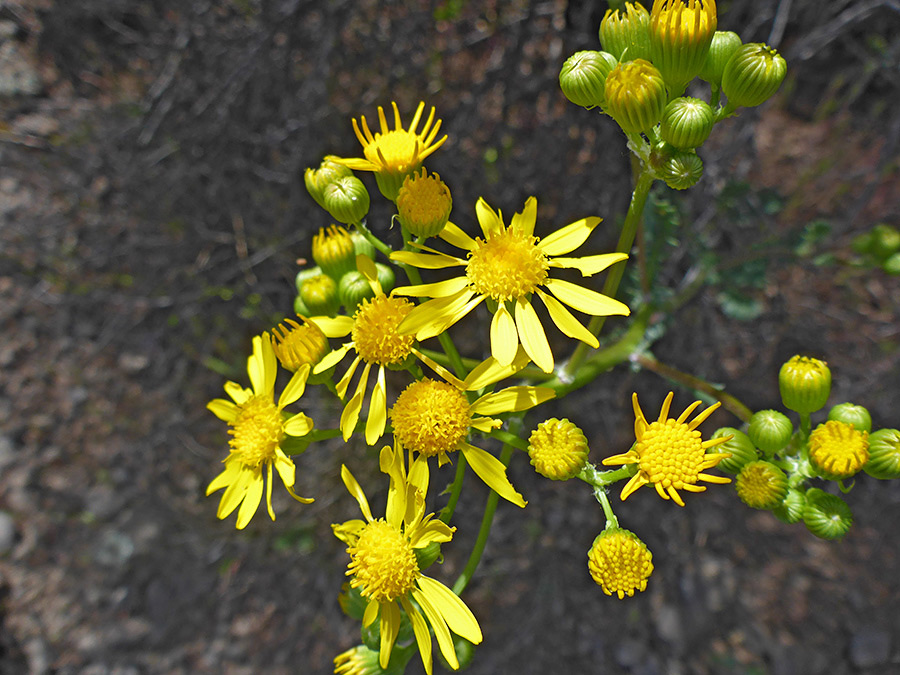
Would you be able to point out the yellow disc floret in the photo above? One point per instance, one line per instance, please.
(375, 330)
(383, 564)
(431, 417)
(506, 266)
(297, 344)
(837, 450)
(619, 562)
(257, 431)
(558, 449)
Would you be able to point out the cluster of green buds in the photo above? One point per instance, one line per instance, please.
(775, 462)
(647, 61)
(879, 247)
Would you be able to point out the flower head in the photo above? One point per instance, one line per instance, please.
(435, 418)
(258, 426)
(359, 660)
(423, 204)
(620, 562)
(298, 344)
(805, 384)
(333, 251)
(510, 266)
(375, 338)
(670, 453)
(761, 485)
(383, 564)
(558, 449)
(680, 34)
(395, 153)
(635, 95)
(626, 33)
(837, 450)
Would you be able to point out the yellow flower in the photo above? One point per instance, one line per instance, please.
(423, 204)
(299, 344)
(376, 340)
(669, 453)
(837, 450)
(510, 266)
(680, 34)
(435, 418)
(558, 449)
(384, 567)
(395, 153)
(258, 427)
(619, 562)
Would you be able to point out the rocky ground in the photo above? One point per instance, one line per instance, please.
(151, 216)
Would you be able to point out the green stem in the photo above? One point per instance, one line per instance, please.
(375, 241)
(510, 439)
(455, 490)
(601, 496)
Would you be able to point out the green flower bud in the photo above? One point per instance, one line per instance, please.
(318, 179)
(626, 35)
(884, 454)
(740, 447)
(583, 77)
(724, 44)
(681, 171)
(680, 34)
(558, 449)
(347, 199)
(362, 245)
(353, 289)
(320, 295)
(428, 555)
(805, 384)
(850, 413)
(837, 450)
(753, 74)
(300, 308)
(386, 277)
(305, 274)
(770, 431)
(635, 95)
(885, 241)
(862, 243)
(333, 251)
(423, 204)
(892, 265)
(761, 485)
(686, 122)
(825, 515)
(790, 510)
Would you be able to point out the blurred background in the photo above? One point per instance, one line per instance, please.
(152, 214)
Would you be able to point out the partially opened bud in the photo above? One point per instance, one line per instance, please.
(361, 245)
(558, 449)
(753, 74)
(723, 46)
(805, 384)
(740, 447)
(850, 413)
(297, 344)
(682, 170)
(317, 180)
(635, 95)
(353, 289)
(319, 294)
(333, 251)
(825, 515)
(837, 450)
(626, 35)
(347, 200)
(884, 454)
(423, 204)
(680, 34)
(620, 562)
(770, 431)
(583, 77)
(761, 485)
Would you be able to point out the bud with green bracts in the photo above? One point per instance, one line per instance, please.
(626, 35)
(635, 95)
(740, 447)
(805, 384)
(320, 295)
(361, 245)
(386, 276)
(752, 75)
(761, 485)
(790, 511)
(317, 180)
(681, 32)
(681, 171)
(850, 413)
(885, 241)
(347, 200)
(825, 515)
(686, 122)
(333, 251)
(583, 77)
(770, 431)
(884, 454)
(723, 46)
(300, 308)
(353, 289)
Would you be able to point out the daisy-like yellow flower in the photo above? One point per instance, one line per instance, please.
(435, 418)
(383, 565)
(395, 153)
(258, 426)
(510, 266)
(376, 340)
(670, 453)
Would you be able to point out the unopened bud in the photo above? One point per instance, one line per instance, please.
(753, 74)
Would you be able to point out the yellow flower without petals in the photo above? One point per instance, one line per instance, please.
(297, 344)
(837, 450)
(670, 453)
(383, 566)
(620, 562)
(558, 449)
(510, 266)
(258, 426)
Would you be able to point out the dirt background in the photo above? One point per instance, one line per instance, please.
(151, 214)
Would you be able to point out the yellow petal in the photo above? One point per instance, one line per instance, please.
(371, 613)
(260, 376)
(332, 358)
(564, 320)
(438, 625)
(251, 500)
(585, 300)
(456, 613)
(589, 265)
(512, 399)
(357, 492)
(524, 221)
(488, 219)
(454, 236)
(341, 387)
(664, 409)
(426, 261)
(348, 532)
(485, 424)
(350, 416)
(355, 163)
(298, 425)
(504, 339)
(287, 471)
(435, 316)
(490, 371)
(237, 393)
(235, 493)
(432, 531)
(295, 387)
(419, 474)
(224, 410)
(269, 490)
(568, 238)
(533, 337)
(439, 369)
(224, 479)
(377, 410)
(390, 626)
(439, 289)
(637, 480)
(423, 635)
(492, 471)
(334, 327)
(366, 267)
